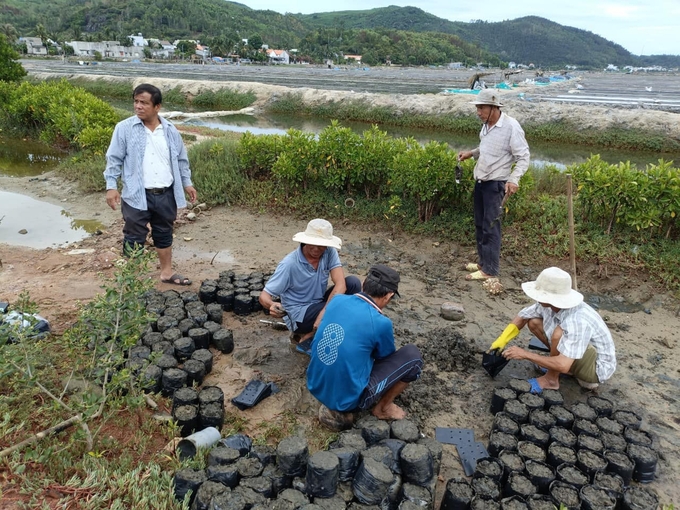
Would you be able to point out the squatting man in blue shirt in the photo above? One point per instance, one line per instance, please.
(579, 340)
(354, 363)
(301, 278)
(148, 155)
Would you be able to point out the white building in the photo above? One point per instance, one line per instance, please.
(278, 56)
(34, 45)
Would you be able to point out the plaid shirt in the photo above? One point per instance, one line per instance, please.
(581, 325)
(500, 146)
(125, 158)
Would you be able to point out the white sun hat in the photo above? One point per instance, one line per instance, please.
(553, 286)
(489, 97)
(319, 232)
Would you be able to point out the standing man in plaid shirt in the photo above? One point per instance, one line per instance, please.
(502, 158)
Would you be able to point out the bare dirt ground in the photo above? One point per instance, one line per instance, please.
(454, 390)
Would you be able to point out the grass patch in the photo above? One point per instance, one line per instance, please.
(87, 170)
(216, 173)
(224, 99)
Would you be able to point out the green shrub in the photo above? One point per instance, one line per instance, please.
(224, 99)
(338, 149)
(258, 153)
(297, 164)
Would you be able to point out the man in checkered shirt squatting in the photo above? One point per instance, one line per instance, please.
(579, 340)
(354, 364)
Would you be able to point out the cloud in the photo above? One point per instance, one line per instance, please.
(620, 11)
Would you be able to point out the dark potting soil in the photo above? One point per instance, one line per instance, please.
(405, 430)
(635, 436)
(260, 485)
(609, 481)
(564, 417)
(519, 385)
(627, 418)
(513, 503)
(373, 430)
(486, 488)
(614, 442)
(511, 460)
(477, 504)
(516, 410)
(519, 484)
(642, 454)
(590, 462)
(379, 452)
(166, 361)
(583, 426)
(459, 489)
(552, 398)
(205, 494)
(530, 450)
(449, 351)
(351, 439)
(563, 436)
(416, 494)
(597, 497)
(417, 464)
(583, 411)
(584, 442)
(565, 494)
(489, 467)
(501, 441)
(639, 498)
(602, 406)
(532, 433)
(559, 454)
(505, 393)
(210, 394)
(539, 469)
(542, 419)
(222, 455)
(540, 502)
(164, 347)
(606, 424)
(249, 467)
(572, 475)
(532, 401)
(172, 335)
(292, 454)
(504, 423)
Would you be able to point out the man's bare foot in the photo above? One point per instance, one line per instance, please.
(548, 383)
(389, 412)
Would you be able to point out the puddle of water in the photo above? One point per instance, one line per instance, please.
(46, 225)
(22, 158)
(612, 303)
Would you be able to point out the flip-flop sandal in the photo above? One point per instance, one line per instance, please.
(177, 279)
(477, 275)
(472, 266)
(535, 387)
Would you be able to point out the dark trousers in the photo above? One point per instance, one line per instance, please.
(161, 212)
(353, 285)
(404, 365)
(488, 197)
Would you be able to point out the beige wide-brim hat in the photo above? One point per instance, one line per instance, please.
(488, 97)
(553, 286)
(319, 232)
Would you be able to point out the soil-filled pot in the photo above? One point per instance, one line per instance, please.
(173, 379)
(519, 386)
(564, 417)
(559, 454)
(518, 484)
(563, 436)
(503, 423)
(645, 460)
(517, 411)
(186, 418)
(500, 397)
(542, 419)
(348, 462)
(195, 371)
(292, 454)
(639, 498)
(489, 467)
(501, 441)
(205, 357)
(185, 397)
(552, 398)
(535, 435)
(372, 482)
(243, 304)
(486, 488)
(565, 494)
(583, 411)
(477, 504)
(540, 502)
(602, 406)
(614, 442)
(572, 475)
(458, 495)
(322, 474)
(627, 418)
(636, 436)
(532, 401)
(200, 337)
(223, 339)
(514, 503)
(610, 482)
(511, 461)
(417, 464)
(540, 474)
(608, 425)
(211, 394)
(225, 297)
(587, 427)
(620, 464)
(529, 450)
(594, 444)
(594, 498)
(186, 480)
(590, 462)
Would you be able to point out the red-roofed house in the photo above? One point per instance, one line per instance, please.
(278, 57)
(356, 58)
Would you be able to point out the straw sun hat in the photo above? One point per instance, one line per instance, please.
(553, 286)
(319, 232)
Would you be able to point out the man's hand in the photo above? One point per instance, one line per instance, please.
(515, 352)
(112, 198)
(463, 155)
(277, 311)
(511, 188)
(191, 191)
(510, 332)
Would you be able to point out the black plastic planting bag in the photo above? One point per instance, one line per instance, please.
(493, 362)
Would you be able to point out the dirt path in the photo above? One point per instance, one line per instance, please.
(454, 390)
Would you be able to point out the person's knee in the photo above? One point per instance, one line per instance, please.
(162, 239)
(352, 284)
(412, 352)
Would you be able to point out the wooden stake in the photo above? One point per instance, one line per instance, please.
(572, 242)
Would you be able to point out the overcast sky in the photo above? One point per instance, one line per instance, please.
(643, 27)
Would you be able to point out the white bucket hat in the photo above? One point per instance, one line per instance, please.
(553, 286)
(318, 233)
(488, 97)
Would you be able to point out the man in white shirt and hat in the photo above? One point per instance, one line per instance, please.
(301, 280)
(579, 340)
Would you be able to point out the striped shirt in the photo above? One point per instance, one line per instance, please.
(125, 159)
(581, 326)
(500, 146)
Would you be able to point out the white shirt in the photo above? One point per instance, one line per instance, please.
(156, 164)
(581, 326)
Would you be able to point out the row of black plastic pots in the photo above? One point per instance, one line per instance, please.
(463, 495)
(376, 464)
(234, 292)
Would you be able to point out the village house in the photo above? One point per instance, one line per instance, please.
(107, 49)
(356, 58)
(34, 45)
(278, 56)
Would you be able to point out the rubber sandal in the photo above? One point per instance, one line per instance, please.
(535, 387)
(477, 275)
(177, 279)
(472, 267)
(305, 347)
